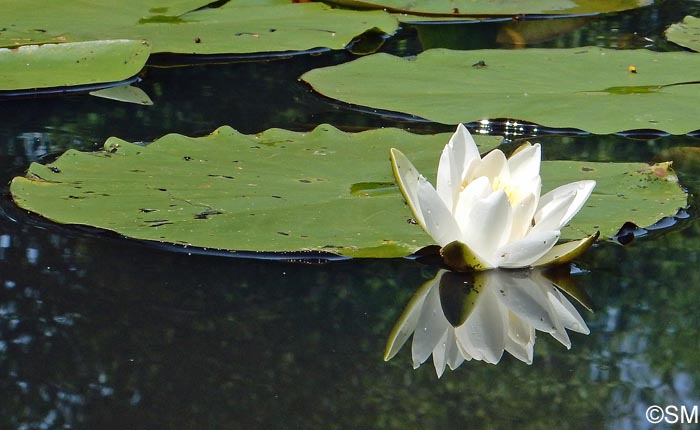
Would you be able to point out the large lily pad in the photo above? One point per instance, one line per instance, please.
(180, 27)
(325, 190)
(686, 33)
(587, 88)
(68, 64)
(496, 7)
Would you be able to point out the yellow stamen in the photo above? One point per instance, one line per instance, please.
(511, 190)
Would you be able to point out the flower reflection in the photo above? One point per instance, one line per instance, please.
(457, 317)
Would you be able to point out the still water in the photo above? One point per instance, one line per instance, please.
(97, 331)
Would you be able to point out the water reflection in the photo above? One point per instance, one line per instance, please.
(458, 316)
(99, 329)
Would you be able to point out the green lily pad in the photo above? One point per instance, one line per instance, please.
(181, 27)
(587, 88)
(686, 33)
(495, 7)
(283, 191)
(69, 64)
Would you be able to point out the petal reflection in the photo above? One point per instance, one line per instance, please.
(456, 316)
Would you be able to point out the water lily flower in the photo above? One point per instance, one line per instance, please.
(487, 212)
(499, 312)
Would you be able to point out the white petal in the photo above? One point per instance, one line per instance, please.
(437, 218)
(523, 353)
(521, 339)
(457, 155)
(406, 176)
(493, 165)
(465, 346)
(406, 324)
(430, 328)
(488, 225)
(454, 356)
(462, 137)
(519, 330)
(583, 191)
(440, 354)
(522, 295)
(532, 186)
(523, 211)
(486, 327)
(478, 189)
(568, 314)
(557, 330)
(449, 176)
(549, 217)
(525, 163)
(466, 349)
(524, 252)
(560, 334)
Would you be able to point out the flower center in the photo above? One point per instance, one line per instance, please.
(512, 190)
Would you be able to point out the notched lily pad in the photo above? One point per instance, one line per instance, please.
(284, 191)
(187, 27)
(594, 89)
(325, 190)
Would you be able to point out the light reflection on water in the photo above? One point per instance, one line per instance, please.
(100, 332)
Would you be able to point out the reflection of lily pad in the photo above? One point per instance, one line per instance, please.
(124, 93)
(68, 64)
(179, 26)
(496, 7)
(512, 32)
(586, 88)
(686, 33)
(325, 190)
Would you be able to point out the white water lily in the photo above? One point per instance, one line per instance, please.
(487, 212)
(499, 312)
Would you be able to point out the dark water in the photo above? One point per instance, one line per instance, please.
(101, 332)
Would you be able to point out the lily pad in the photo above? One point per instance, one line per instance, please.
(182, 27)
(590, 88)
(451, 8)
(70, 64)
(686, 33)
(284, 191)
